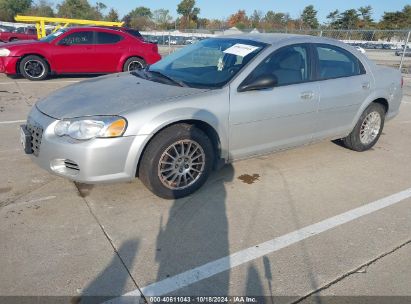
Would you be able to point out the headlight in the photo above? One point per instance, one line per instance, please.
(91, 127)
(4, 52)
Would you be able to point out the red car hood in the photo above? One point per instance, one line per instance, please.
(21, 43)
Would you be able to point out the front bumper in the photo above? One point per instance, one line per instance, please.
(8, 65)
(93, 161)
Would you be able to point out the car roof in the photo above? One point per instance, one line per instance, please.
(115, 28)
(274, 38)
(270, 38)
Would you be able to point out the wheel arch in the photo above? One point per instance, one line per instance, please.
(200, 124)
(379, 97)
(125, 58)
(383, 102)
(32, 54)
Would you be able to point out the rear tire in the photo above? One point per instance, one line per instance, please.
(34, 68)
(134, 63)
(368, 129)
(177, 161)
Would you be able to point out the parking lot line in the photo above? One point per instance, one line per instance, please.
(241, 257)
(11, 122)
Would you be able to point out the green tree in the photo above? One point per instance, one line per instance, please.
(10, 8)
(333, 19)
(41, 9)
(78, 9)
(190, 13)
(139, 18)
(112, 15)
(309, 17)
(273, 20)
(349, 19)
(365, 14)
(256, 19)
(162, 18)
(100, 7)
(141, 11)
(397, 20)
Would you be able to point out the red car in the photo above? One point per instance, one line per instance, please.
(22, 33)
(89, 50)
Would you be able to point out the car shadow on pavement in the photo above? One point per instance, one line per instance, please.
(112, 281)
(196, 232)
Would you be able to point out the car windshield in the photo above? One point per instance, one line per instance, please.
(210, 63)
(53, 36)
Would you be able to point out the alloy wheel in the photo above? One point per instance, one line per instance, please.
(34, 68)
(181, 164)
(370, 128)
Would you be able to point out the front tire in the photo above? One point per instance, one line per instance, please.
(34, 68)
(134, 63)
(177, 162)
(368, 129)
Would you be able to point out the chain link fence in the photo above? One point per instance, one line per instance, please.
(385, 47)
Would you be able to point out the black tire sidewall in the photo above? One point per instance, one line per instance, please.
(148, 172)
(33, 57)
(131, 59)
(355, 136)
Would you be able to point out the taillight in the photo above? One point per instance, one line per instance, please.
(402, 82)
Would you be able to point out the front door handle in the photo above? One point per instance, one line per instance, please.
(307, 95)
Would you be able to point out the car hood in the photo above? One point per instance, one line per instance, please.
(21, 43)
(109, 95)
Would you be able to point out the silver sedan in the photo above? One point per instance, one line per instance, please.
(209, 104)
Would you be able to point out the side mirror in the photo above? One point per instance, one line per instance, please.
(262, 82)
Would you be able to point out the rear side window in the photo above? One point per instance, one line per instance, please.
(108, 38)
(335, 62)
(78, 38)
(134, 33)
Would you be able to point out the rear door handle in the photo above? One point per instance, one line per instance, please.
(366, 85)
(307, 95)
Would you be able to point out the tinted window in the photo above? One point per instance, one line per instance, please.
(335, 62)
(31, 31)
(108, 38)
(135, 33)
(78, 38)
(288, 64)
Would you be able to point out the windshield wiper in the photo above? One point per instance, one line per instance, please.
(139, 73)
(157, 73)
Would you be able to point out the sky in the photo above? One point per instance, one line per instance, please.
(220, 9)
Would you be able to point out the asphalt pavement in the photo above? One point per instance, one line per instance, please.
(315, 220)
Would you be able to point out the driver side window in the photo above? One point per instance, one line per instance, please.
(288, 64)
(78, 38)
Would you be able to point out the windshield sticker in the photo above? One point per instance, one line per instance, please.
(241, 50)
(220, 64)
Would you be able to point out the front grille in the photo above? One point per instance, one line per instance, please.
(71, 165)
(36, 132)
